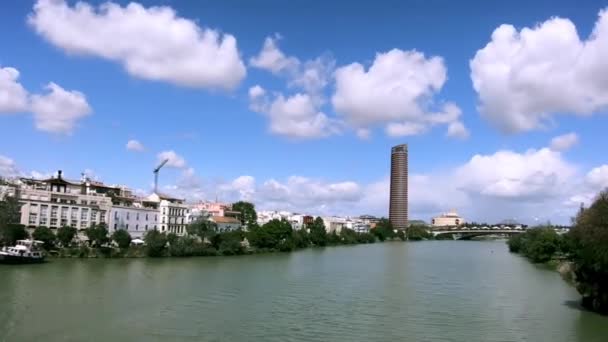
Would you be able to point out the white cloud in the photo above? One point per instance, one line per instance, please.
(523, 78)
(507, 174)
(59, 110)
(395, 90)
(299, 115)
(174, 159)
(272, 59)
(363, 133)
(456, 129)
(296, 116)
(13, 97)
(564, 142)
(598, 177)
(256, 91)
(151, 43)
(8, 167)
(135, 145)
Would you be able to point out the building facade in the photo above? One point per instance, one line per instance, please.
(173, 213)
(449, 219)
(398, 202)
(137, 220)
(57, 202)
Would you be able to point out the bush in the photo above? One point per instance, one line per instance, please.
(537, 244)
(156, 243)
(65, 235)
(45, 235)
(122, 238)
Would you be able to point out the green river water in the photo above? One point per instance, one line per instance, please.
(420, 291)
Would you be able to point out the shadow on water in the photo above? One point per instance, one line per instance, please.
(577, 305)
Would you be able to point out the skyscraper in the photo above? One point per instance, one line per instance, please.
(398, 209)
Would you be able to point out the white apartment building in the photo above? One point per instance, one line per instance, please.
(56, 202)
(334, 223)
(173, 213)
(137, 220)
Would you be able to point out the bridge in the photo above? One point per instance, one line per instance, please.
(466, 234)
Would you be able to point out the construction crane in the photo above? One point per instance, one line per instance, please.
(156, 174)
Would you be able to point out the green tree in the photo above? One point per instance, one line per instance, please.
(45, 235)
(156, 243)
(248, 215)
(588, 249)
(384, 230)
(202, 228)
(172, 238)
(122, 238)
(11, 233)
(97, 234)
(538, 244)
(301, 238)
(416, 233)
(65, 235)
(401, 234)
(230, 243)
(349, 236)
(275, 234)
(10, 229)
(318, 234)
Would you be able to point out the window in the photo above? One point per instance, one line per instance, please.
(116, 215)
(64, 213)
(128, 215)
(42, 220)
(115, 226)
(74, 214)
(53, 222)
(93, 215)
(33, 218)
(146, 216)
(127, 226)
(84, 202)
(102, 216)
(136, 227)
(84, 214)
(146, 227)
(164, 211)
(156, 217)
(137, 217)
(163, 220)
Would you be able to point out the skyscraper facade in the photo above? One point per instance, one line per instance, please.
(398, 206)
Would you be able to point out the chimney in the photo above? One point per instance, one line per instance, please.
(59, 174)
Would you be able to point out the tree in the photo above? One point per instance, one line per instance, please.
(588, 249)
(384, 230)
(45, 235)
(538, 244)
(13, 232)
(65, 235)
(10, 229)
(318, 234)
(172, 238)
(416, 233)
(301, 238)
(202, 228)
(97, 234)
(275, 234)
(230, 243)
(122, 238)
(401, 234)
(155, 243)
(248, 214)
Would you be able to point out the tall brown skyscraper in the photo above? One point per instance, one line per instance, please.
(398, 201)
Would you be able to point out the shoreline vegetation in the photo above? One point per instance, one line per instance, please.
(580, 256)
(202, 238)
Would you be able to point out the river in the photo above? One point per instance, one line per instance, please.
(418, 291)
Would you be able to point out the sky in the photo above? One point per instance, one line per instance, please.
(294, 105)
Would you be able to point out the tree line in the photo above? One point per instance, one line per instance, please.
(585, 246)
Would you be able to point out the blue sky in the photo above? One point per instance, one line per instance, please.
(224, 135)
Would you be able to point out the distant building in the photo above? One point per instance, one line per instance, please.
(398, 205)
(57, 202)
(226, 223)
(173, 213)
(448, 219)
